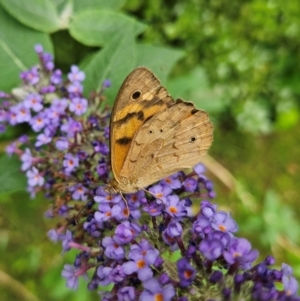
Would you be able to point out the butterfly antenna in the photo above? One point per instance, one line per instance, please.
(109, 188)
(153, 195)
(126, 203)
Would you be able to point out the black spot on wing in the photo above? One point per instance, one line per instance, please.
(140, 115)
(124, 141)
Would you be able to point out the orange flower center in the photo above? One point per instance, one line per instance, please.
(173, 209)
(222, 228)
(159, 297)
(141, 264)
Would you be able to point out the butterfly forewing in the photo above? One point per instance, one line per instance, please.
(140, 97)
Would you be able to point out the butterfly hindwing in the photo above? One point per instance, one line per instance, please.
(170, 141)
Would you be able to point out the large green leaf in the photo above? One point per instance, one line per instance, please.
(159, 59)
(194, 86)
(11, 177)
(80, 5)
(37, 14)
(98, 27)
(114, 62)
(16, 49)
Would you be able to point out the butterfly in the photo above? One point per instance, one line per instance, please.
(153, 136)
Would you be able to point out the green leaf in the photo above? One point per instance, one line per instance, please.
(279, 219)
(159, 59)
(11, 178)
(194, 86)
(98, 27)
(111, 63)
(80, 5)
(16, 49)
(37, 14)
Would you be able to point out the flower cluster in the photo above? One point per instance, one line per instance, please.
(160, 243)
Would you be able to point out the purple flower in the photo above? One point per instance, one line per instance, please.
(199, 169)
(201, 226)
(160, 192)
(82, 155)
(174, 229)
(42, 139)
(31, 76)
(59, 105)
(38, 48)
(106, 212)
(102, 169)
(239, 250)
(190, 184)
(175, 207)
(126, 293)
(154, 208)
(39, 121)
(207, 209)
(211, 248)
(69, 272)
(140, 266)
(154, 291)
(33, 101)
(70, 163)
(62, 144)
(142, 248)
(27, 159)
(71, 127)
(106, 83)
(49, 66)
(79, 192)
(103, 273)
(112, 249)
(11, 149)
(23, 139)
(186, 272)
(100, 147)
(54, 235)
(76, 75)
(3, 115)
(224, 237)
(78, 106)
(34, 177)
(222, 221)
(290, 285)
(107, 198)
(172, 181)
(67, 240)
(2, 128)
(117, 274)
(125, 232)
(22, 113)
(75, 88)
(56, 77)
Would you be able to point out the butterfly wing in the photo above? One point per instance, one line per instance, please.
(140, 97)
(170, 141)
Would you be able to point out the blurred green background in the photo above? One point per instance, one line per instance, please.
(238, 60)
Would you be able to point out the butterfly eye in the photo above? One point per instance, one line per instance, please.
(136, 95)
(192, 139)
(150, 132)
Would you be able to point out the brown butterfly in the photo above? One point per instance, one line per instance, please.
(151, 135)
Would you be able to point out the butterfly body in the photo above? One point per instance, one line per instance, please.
(151, 135)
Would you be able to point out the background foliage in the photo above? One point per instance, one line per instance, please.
(238, 60)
